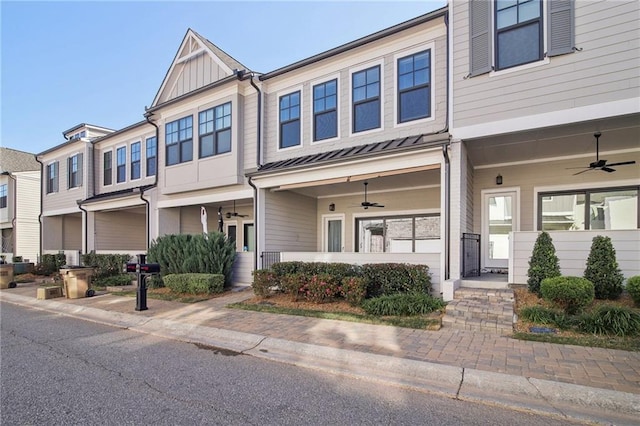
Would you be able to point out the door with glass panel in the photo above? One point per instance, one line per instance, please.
(333, 234)
(499, 218)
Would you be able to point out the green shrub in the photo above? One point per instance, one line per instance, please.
(543, 263)
(611, 320)
(105, 265)
(114, 280)
(602, 269)
(292, 283)
(391, 278)
(569, 293)
(402, 304)
(538, 314)
(285, 268)
(633, 288)
(320, 288)
(263, 281)
(354, 290)
(50, 264)
(183, 253)
(194, 283)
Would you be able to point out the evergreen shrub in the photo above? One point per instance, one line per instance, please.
(543, 263)
(105, 265)
(602, 269)
(611, 320)
(195, 283)
(354, 290)
(390, 278)
(402, 304)
(263, 281)
(568, 293)
(633, 288)
(50, 264)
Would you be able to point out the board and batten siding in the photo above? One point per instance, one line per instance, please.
(605, 70)
(572, 249)
(386, 52)
(121, 230)
(27, 226)
(289, 222)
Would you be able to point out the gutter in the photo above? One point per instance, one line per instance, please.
(258, 165)
(86, 228)
(447, 171)
(147, 117)
(41, 204)
(255, 224)
(259, 123)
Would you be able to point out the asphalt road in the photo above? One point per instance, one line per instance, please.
(58, 370)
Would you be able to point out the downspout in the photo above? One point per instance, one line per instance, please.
(447, 172)
(41, 204)
(255, 223)
(147, 116)
(86, 228)
(259, 122)
(258, 165)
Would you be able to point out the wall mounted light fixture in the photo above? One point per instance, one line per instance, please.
(332, 207)
(499, 180)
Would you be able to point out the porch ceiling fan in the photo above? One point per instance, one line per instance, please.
(600, 164)
(234, 213)
(366, 204)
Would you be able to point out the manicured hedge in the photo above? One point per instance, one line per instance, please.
(391, 278)
(105, 265)
(633, 288)
(195, 283)
(569, 293)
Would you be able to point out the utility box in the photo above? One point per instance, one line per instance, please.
(77, 281)
(6, 276)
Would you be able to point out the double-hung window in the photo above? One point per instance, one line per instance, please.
(215, 130)
(74, 171)
(52, 177)
(518, 32)
(325, 110)
(135, 160)
(366, 99)
(290, 120)
(107, 174)
(151, 145)
(3, 196)
(179, 140)
(121, 159)
(414, 86)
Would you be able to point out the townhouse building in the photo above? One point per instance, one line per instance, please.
(450, 140)
(545, 124)
(19, 205)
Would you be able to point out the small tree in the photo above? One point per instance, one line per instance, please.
(543, 263)
(602, 269)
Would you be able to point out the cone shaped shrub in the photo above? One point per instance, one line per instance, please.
(543, 263)
(602, 269)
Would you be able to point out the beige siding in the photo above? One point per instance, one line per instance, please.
(52, 236)
(123, 230)
(606, 69)
(385, 52)
(65, 199)
(72, 232)
(528, 176)
(289, 222)
(572, 249)
(249, 139)
(27, 231)
(243, 269)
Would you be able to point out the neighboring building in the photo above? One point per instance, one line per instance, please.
(523, 122)
(19, 205)
(386, 149)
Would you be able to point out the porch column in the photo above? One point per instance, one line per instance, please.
(460, 204)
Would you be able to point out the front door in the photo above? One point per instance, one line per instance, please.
(499, 218)
(333, 233)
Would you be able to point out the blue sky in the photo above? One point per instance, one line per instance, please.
(66, 63)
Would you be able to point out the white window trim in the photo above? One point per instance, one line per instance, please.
(68, 171)
(125, 146)
(131, 159)
(278, 96)
(111, 150)
(325, 227)
(46, 187)
(431, 47)
(311, 111)
(379, 62)
(143, 174)
(246, 222)
(226, 231)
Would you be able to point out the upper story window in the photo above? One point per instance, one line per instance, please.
(107, 176)
(325, 110)
(366, 99)
(152, 154)
(135, 160)
(508, 33)
(179, 140)
(52, 177)
(74, 171)
(290, 120)
(121, 159)
(518, 32)
(414, 86)
(215, 130)
(3, 196)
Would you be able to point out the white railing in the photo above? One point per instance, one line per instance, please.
(572, 249)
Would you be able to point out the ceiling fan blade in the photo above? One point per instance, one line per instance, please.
(597, 164)
(607, 169)
(376, 205)
(586, 170)
(573, 168)
(624, 163)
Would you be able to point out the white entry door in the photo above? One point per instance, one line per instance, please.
(333, 238)
(499, 218)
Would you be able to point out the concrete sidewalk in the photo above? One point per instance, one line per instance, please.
(585, 383)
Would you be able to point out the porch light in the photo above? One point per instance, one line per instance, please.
(499, 180)
(332, 207)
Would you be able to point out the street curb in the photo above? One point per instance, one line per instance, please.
(536, 395)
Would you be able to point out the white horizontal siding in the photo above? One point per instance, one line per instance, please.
(290, 222)
(572, 249)
(243, 268)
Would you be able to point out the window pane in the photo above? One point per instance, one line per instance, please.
(529, 10)
(427, 231)
(373, 75)
(519, 46)
(331, 102)
(330, 87)
(318, 106)
(507, 18)
(421, 60)
(613, 210)
(414, 104)
(367, 116)
(249, 238)
(359, 94)
(503, 4)
(173, 154)
(334, 236)
(405, 81)
(405, 65)
(290, 134)
(326, 126)
(359, 79)
(371, 236)
(421, 77)
(563, 212)
(206, 146)
(186, 151)
(399, 235)
(224, 141)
